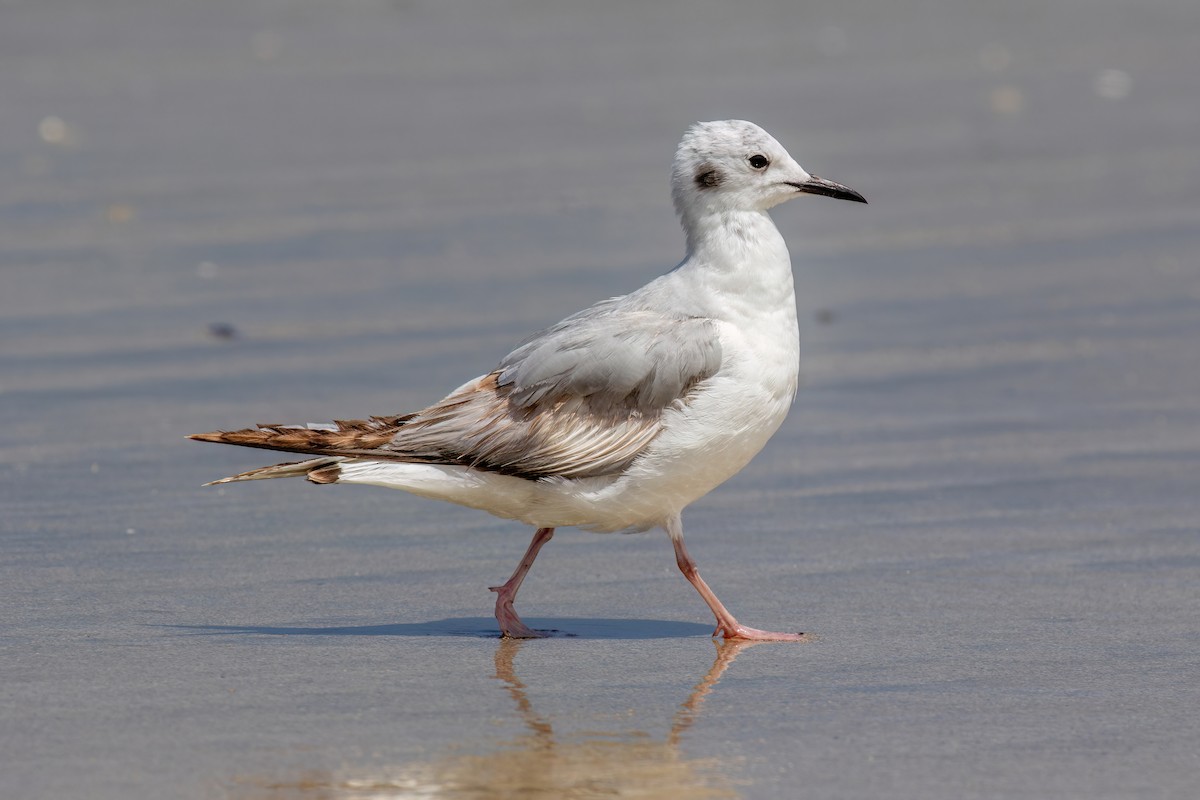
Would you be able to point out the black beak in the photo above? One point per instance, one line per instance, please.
(815, 185)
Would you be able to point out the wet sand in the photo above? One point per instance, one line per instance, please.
(984, 505)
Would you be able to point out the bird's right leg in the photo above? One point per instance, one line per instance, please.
(510, 624)
(727, 626)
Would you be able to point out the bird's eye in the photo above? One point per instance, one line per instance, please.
(759, 161)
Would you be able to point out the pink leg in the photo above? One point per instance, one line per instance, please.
(727, 626)
(510, 624)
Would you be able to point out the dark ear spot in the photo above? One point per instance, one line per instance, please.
(707, 177)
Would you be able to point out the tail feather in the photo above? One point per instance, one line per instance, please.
(332, 442)
(356, 437)
(317, 470)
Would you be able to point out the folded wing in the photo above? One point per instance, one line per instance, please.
(580, 399)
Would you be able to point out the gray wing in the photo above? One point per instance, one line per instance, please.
(580, 399)
(634, 360)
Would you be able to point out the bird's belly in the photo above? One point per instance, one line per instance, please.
(701, 446)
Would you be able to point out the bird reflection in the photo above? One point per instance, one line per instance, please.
(541, 762)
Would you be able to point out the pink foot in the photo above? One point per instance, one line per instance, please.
(739, 632)
(511, 626)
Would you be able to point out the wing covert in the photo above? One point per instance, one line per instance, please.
(639, 360)
(580, 399)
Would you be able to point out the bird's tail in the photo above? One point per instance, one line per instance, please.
(333, 442)
(316, 470)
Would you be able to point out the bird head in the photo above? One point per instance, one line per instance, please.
(734, 165)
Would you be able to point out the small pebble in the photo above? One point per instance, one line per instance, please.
(222, 330)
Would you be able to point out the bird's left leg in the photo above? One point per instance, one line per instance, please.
(727, 626)
(510, 624)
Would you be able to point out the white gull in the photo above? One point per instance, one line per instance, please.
(618, 417)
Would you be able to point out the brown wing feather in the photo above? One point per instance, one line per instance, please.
(479, 426)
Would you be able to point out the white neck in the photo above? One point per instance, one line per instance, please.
(740, 255)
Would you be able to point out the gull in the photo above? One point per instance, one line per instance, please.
(619, 416)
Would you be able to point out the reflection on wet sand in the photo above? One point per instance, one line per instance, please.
(540, 763)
